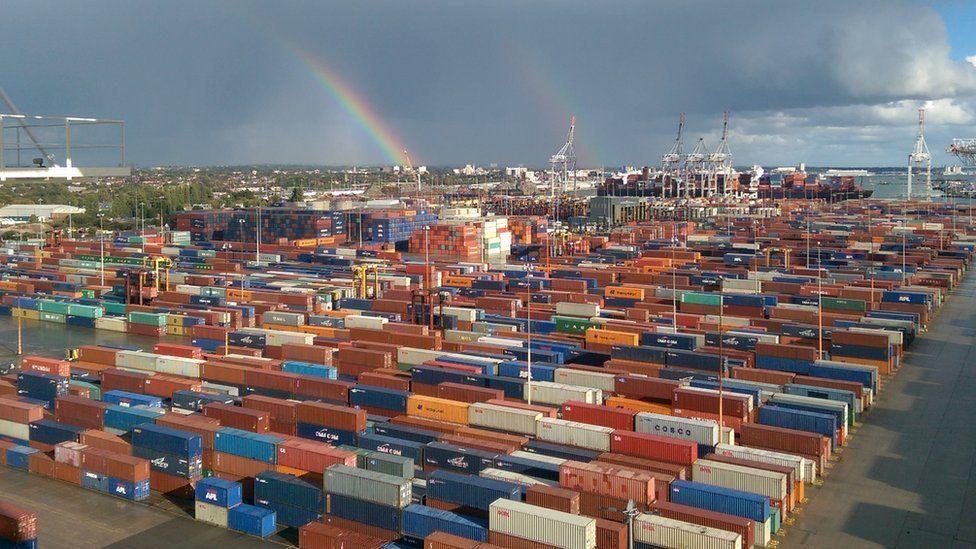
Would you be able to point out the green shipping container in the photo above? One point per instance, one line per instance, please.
(94, 391)
(53, 317)
(87, 311)
(151, 319)
(58, 307)
(577, 326)
(114, 308)
(713, 300)
(838, 304)
(90, 294)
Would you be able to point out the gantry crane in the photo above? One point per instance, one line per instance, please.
(920, 156)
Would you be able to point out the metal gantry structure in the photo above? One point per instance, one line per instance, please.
(696, 167)
(720, 162)
(672, 161)
(563, 163)
(919, 157)
(964, 150)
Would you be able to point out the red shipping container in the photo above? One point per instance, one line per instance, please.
(316, 354)
(17, 523)
(164, 385)
(605, 507)
(514, 542)
(218, 372)
(484, 434)
(644, 445)
(96, 354)
(607, 480)
(763, 376)
(172, 349)
(730, 523)
(12, 409)
(327, 389)
(376, 379)
(443, 540)
(611, 535)
(285, 411)
(277, 381)
(143, 329)
(323, 536)
(67, 472)
(785, 440)
(481, 444)
(551, 497)
(172, 485)
(81, 412)
(255, 421)
(637, 386)
(238, 465)
(121, 380)
(734, 406)
(41, 464)
(332, 415)
(595, 414)
(51, 366)
(308, 455)
(101, 440)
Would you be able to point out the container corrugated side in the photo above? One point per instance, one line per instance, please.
(371, 486)
(211, 514)
(571, 433)
(543, 525)
(804, 469)
(737, 477)
(664, 532)
(545, 392)
(503, 418)
(700, 431)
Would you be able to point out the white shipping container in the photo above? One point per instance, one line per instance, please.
(659, 531)
(539, 457)
(15, 430)
(137, 360)
(211, 514)
(69, 452)
(513, 477)
(462, 313)
(553, 528)
(758, 481)
(572, 433)
(369, 322)
(546, 392)
(459, 336)
(584, 378)
(566, 308)
(110, 323)
(188, 289)
(800, 469)
(179, 366)
(698, 430)
(504, 418)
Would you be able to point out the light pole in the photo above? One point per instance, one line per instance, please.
(142, 225)
(528, 333)
(101, 248)
(427, 257)
(257, 241)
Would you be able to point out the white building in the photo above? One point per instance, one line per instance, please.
(43, 212)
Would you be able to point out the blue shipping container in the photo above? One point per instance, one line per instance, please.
(217, 491)
(247, 444)
(468, 490)
(253, 520)
(420, 521)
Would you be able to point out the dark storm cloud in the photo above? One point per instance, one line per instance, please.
(216, 82)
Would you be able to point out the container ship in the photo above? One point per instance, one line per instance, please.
(320, 387)
(755, 183)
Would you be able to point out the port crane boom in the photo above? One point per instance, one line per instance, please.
(919, 157)
(964, 150)
(564, 161)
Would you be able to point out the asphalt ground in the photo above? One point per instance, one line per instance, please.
(906, 477)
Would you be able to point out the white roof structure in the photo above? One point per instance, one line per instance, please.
(42, 211)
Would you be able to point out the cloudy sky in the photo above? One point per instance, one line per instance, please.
(456, 81)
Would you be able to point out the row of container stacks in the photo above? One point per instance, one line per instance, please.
(18, 526)
(527, 406)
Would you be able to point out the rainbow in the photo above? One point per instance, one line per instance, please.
(355, 104)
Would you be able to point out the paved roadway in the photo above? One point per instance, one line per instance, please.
(906, 478)
(71, 516)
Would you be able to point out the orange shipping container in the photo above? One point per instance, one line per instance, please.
(609, 337)
(438, 409)
(638, 405)
(625, 292)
